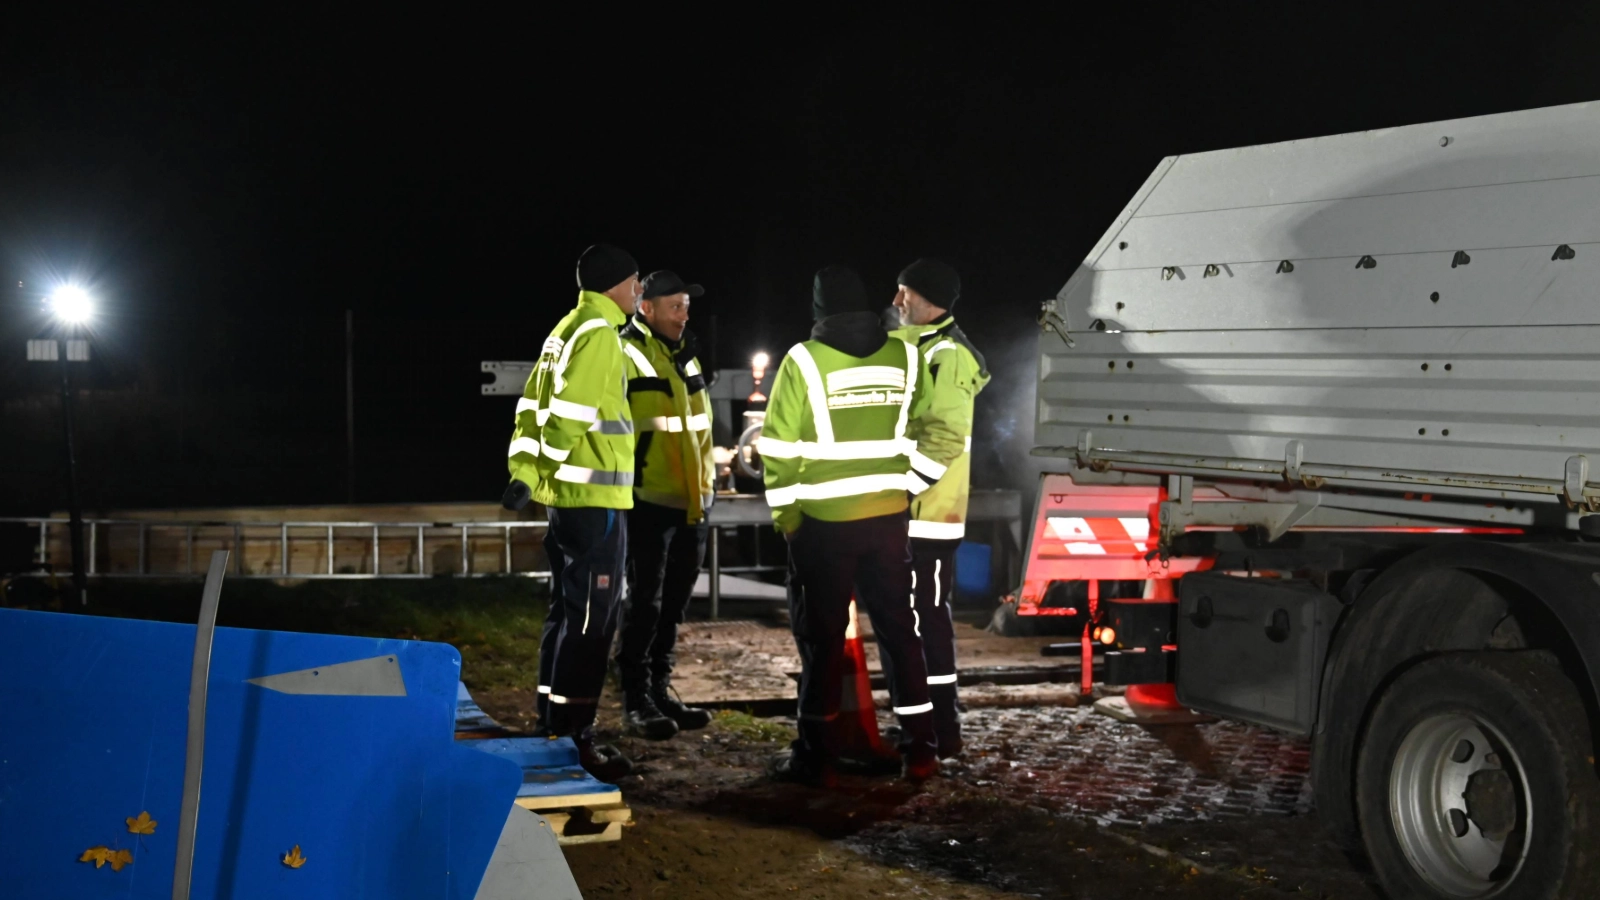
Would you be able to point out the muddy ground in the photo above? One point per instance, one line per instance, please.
(1050, 800)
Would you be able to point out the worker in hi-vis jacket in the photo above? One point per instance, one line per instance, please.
(928, 292)
(674, 482)
(849, 434)
(572, 451)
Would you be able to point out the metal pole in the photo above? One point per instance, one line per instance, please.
(94, 544)
(330, 549)
(1086, 685)
(466, 563)
(422, 553)
(507, 530)
(194, 755)
(716, 572)
(350, 404)
(375, 567)
(283, 549)
(44, 541)
(144, 543)
(79, 583)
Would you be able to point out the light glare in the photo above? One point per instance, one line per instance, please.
(71, 304)
(759, 361)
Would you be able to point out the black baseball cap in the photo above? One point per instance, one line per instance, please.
(663, 283)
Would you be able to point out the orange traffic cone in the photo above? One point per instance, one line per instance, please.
(856, 730)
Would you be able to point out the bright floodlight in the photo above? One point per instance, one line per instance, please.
(71, 304)
(759, 361)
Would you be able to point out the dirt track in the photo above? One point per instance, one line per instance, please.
(1049, 802)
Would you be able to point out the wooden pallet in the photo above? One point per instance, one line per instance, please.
(586, 824)
(579, 809)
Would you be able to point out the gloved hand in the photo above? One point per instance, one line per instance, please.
(517, 495)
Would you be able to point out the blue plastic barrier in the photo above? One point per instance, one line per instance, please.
(369, 784)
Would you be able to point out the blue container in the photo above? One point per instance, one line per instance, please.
(972, 569)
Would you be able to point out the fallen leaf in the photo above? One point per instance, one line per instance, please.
(143, 825)
(96, 855)
(119, 859)
(293, 859)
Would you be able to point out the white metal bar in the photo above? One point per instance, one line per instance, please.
(376, 569)
(330, 549)
(466, 561)
(283, 549)
(194, 754)
(94, 535)
(422, 552)
(507, 533)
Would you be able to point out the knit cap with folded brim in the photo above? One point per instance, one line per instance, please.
(937, 282)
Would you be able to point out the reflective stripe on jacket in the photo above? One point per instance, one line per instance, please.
(672, 415)
(837, 441)
(959, 375)
(573, 444)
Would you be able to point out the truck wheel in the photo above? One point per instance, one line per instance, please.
(1476, 778)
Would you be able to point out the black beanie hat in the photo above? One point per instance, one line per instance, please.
(934, 280)
(837, 289)
(603, 267)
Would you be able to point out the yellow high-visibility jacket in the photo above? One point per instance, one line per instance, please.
(837, 442)
(672, 417)
(958, 372)
(573, 444)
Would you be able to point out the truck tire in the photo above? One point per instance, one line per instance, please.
(1476, 778)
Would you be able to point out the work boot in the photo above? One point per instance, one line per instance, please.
(603, 761)
(688, 718)
(791, 767)
(641, 718)
(919, 767)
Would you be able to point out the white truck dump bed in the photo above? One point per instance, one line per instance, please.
(1409, 309)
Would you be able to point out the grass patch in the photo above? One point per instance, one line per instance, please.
(494, 622)
(751, 728)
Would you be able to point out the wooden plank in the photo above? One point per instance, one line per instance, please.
(564, 801)
(618, 813)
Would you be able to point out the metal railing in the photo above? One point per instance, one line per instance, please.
(286, 535)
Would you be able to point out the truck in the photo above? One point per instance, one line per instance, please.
(1321, 431)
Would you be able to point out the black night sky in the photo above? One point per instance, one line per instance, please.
(229, 186)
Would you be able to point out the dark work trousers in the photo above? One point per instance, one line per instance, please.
(933, 566)
(587, 547)
(828, 563)
(664, 555)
